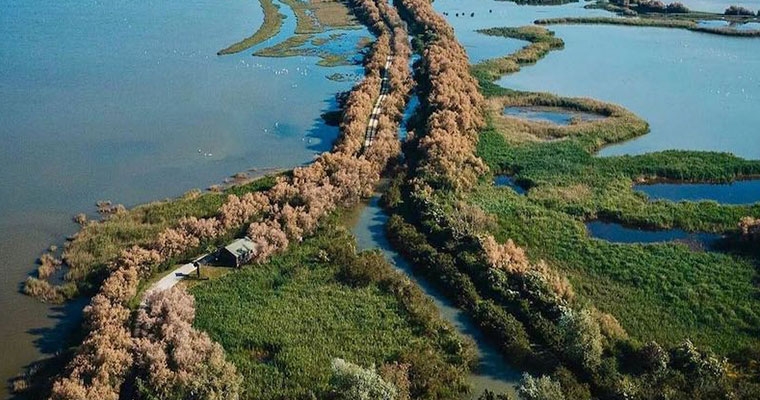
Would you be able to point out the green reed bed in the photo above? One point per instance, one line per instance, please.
(268, 29)
(283, 322)
(541, 42)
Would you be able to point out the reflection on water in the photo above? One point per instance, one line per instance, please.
(616, 233)
(739, 192)
(508, 181)
(492, 373)
(554, 115)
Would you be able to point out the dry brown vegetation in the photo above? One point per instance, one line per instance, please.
(453, 104)
(750, 228)
(287, 212)
(175, 361)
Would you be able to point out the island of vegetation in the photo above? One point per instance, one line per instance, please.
(655, 13)
(311, 317)
(268, 29)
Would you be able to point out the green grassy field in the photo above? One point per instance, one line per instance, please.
(282, 323)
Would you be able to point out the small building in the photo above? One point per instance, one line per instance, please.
(237, 253)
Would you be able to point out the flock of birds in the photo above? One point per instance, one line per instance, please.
(472, 14)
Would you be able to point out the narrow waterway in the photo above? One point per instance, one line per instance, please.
(493, 373)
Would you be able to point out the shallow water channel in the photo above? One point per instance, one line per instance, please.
(508, 181)
(493, 373)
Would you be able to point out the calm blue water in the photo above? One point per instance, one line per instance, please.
(481, 47)
(713, 23)
(559, 117)
(127, 100)
(617, 233)
(508, 181)
(741, 192)
(749, 26)
(697, 91)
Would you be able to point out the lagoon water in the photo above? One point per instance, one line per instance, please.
(508, 181)
(127, 100)
(616, 233)
(697, 91)
(740, 192)
(555, 116)
(718, 6)
(490, 14)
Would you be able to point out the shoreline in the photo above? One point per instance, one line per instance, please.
(649, 22)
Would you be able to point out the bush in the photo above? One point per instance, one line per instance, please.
(352, 382)
(678, 8)
(738, 10)
(369, 267)
(543, 388)
(175, 361)
(505, 330)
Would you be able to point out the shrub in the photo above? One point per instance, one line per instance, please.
(582, 338)
(42, 290)
(543, 388)
(175, 361)
(352, 382)
(678, 8)
(738, 10)
(369, 267)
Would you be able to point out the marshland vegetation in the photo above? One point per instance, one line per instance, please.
(268, 29)
(584, 316)
(601, 319)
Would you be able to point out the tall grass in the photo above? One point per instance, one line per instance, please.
(282, 322)
(100, 242)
